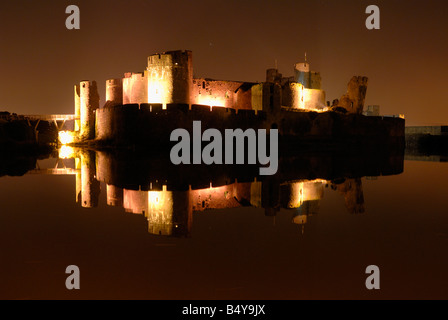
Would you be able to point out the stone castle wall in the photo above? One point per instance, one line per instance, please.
(170, 77)
(220, 93)
(150, 124)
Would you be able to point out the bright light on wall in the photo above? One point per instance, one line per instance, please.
(208, 100)
(155, 91)
(66, 137)
(66, 152)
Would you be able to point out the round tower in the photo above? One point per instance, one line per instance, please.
(114, 196)
(170, 77)
(302, 67)
(114, 92)
(302, 73)
(77, 108)
(89, 102)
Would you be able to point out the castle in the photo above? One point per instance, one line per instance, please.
(168, 83)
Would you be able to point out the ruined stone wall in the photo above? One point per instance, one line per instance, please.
(170, 77)
(214, 92)
(353, 194)
(353, 100)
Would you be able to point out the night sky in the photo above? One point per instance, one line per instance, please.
(406, 60)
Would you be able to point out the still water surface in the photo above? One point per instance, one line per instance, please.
(135, 235)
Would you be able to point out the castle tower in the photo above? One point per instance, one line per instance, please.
(114, 92)
(170, 77)
(309, 79)
(302, 73)
(77, 108)
(89, 102)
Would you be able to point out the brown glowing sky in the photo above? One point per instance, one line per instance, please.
(234, 40)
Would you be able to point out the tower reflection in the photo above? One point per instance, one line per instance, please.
(167, 195)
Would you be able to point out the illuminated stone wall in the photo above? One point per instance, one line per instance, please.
(77, 108)
(220, 93)
(215, 198)
(89, 192)
(214, 92)
(114, 92)
(170, 77)
(294, 194)
(135, 88)
(296, 96)
(266, 97)
(89, 103)
(135, 201)
(114, 196)
(314, 99)
(105, 123)
(160, 212)
(292, 95)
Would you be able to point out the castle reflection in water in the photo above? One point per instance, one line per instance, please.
(168, 195)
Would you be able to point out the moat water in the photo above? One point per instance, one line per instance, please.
(199, 233)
